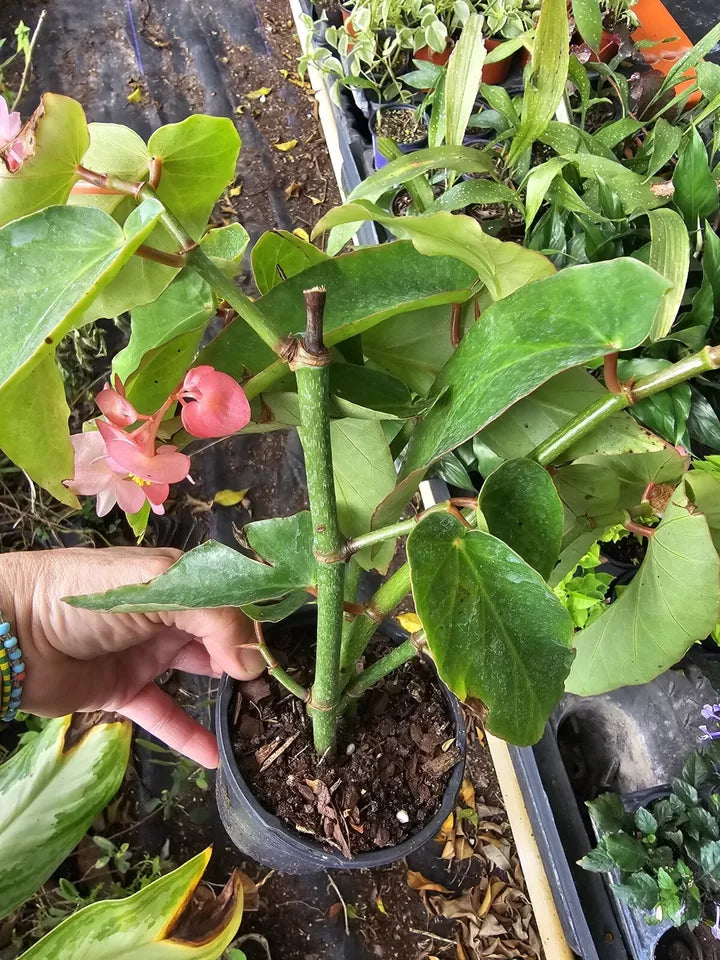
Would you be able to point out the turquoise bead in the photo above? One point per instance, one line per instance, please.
(15, 654)
(18, 667)
(4, 629)
(10, 642)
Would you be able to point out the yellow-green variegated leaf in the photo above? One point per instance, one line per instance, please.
(52, 790)
(670, 256)
(159, 922)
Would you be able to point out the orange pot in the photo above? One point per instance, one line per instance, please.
(439, 59)
(656, 23)
(494, 73)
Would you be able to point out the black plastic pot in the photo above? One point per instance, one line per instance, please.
(262, 836)
(379, 160)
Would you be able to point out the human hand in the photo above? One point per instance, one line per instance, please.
(81, 660)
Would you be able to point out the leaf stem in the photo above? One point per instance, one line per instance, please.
(555, 445)
(381, 668)
(363, 627)
(311, 365)
(391, 532)
(274, 668)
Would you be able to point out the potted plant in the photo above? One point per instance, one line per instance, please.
(663, 850)
(404, 124)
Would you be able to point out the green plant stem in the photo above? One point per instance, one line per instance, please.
(555, 445)
(391, 532)
(313, 385)
(381, 668)
(274, 668)
(361, 631)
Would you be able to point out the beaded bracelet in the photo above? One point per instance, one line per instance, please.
(12, 671)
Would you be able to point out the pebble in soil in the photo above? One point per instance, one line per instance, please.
(387, 777)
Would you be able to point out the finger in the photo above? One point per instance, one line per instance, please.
(224, 631)
(159, 714)
(194, 658)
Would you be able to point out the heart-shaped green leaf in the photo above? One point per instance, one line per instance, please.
(278, 254)
(521, 507)
(495, 630)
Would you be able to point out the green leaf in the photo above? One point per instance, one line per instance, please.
(588, 490)
(365, 287)
(540, 330)
(704, 490)
(495, 630)
(164, 340)
(645, 822)
(696, 193)
(705, 822)
(55, 140)
(534, 418)
(631, 190)
(598, 860)
(367, 394)
(669, 898)
(711, 262)
(640, 891)
(52, 789)
(537, 186)
(697, 769)
(226, 247)
(462, 80)
(665, 413)
(672, 602)
(670, 256)
(608, 813)
(501, 266)
(278, 253)
(627, 852)
(274, 612)
(710, 858)
(213, 575)
(615, 133)
(665, 144)
(521, 507)
(684, 791)
(400, 171)
(114, 149)
(588, 21)
(480, 192)
(160, 920)
(545, 82)
(198, 157)
(364, 474)
(689, 60)
(666, 810)
(138, 521)
(34, 429)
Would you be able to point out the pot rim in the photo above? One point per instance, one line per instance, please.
(334, 859)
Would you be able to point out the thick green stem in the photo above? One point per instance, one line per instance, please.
(381, 668)
(391, 532)
(361, 631)
(312, 370)
(551, 449)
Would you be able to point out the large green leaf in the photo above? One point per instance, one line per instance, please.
(501, 266)
(34, 429)
(630, 188)
(495, 630)
(704, 489)
(162, 921)
(364, 288)
(673, 601)
(635, 471)
(533, 419)
(521, 507)
(278, 253)
(366, 394)
(213, 575)
(226, 247)
(462, 80)
(64, 255)
(545, 84)
(588, 21)
(523, 340)
(364, 475)
(406, 168)
(55, 140)
(164, 339)
(696, 192)
(114, 149)
(670, 256)
(52, 789)
(198, 157)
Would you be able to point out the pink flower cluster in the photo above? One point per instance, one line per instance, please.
(128, 466)
(10, 124)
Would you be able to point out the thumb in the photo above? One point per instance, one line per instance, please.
(224, 631)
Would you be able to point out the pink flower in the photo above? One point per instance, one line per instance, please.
(135, 454)
(213, 404)
(11, 148)
(94, 476)
(116, 408)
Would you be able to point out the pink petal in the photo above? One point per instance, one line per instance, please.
(116, 408)
(157, 494)
(130, 495)
(92, 473)
(106, 500)
(217, 404)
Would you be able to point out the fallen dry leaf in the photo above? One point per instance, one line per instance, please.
(229, 498)
(416, 881)
(259, 93)
(293, 189)
(235, 191)
(287, 145)
(303, 234)
(135, 96)
(410, 622)
(467, 794)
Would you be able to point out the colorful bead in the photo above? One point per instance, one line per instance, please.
(4, 629)
(10, 642)
(12, 672)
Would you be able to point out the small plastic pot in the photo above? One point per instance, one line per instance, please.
(432, 56)
(495, 73)
(378, 159)
(262, 836)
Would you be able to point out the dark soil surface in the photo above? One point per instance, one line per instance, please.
(402, 126)
(393, 760)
